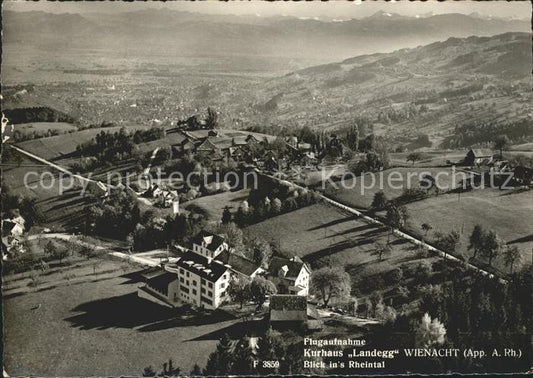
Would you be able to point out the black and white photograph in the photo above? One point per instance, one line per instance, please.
(254, 188)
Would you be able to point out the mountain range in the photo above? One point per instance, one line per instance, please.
(177, 33)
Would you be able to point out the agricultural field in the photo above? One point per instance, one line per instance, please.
(41, 128)
(359, 192)
(99, 317)
(508, 213)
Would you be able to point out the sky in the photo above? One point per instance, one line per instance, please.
(322, 10)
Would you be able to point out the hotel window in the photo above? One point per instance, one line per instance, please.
(194, 291)
(187, 274)
(209, 293)
(182, 280)
(203, 290)
(210, 285)
(203, 281)
(193, 283)
(222, 285)
(187, 282)
(181, 271)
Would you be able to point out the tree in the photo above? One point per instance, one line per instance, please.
(50, 249)
(448, 243)
(212, 119)
(243, 361)
(353, 305)
(269, 347)
(260, 251)
(397, 215)
(196, 371)
(260, 289)
(379, 201)
(60, 254)
(426, 227)
(239, 290)
(330, 282)
(382, 249)
(221, 360)
(149, 372)
(511, 256)
(275, 206)
(430, 332)
(226, 215)
(169, 370)
(233, 235)
(476, 239)
(289, 204)
(500, 143)
(492, 246)
(352, 138)
(414, 157)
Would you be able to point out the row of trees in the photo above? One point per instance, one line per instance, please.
(118, 145)
(267, 208)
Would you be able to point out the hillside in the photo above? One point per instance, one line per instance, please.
(428, 89)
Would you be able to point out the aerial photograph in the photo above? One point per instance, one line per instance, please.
(252, 188)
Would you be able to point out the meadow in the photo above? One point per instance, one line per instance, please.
(359, 191)
(325, 236)
(99, 327)
(213, 205)
(508, 213)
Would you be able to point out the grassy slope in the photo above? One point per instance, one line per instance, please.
(101, 328)
(41, 127)
(214, 204)
(508, 214)
(322, 234)
(57, 146)
(55, 208)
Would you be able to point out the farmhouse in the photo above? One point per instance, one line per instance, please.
(200, 277)
(478, 156)
(291, 276)
(293, 312)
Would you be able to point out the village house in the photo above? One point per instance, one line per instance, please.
(12, 230)
(163, 197)
(478, 156)
(201, 277)
(291, 276)
(293, 312)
